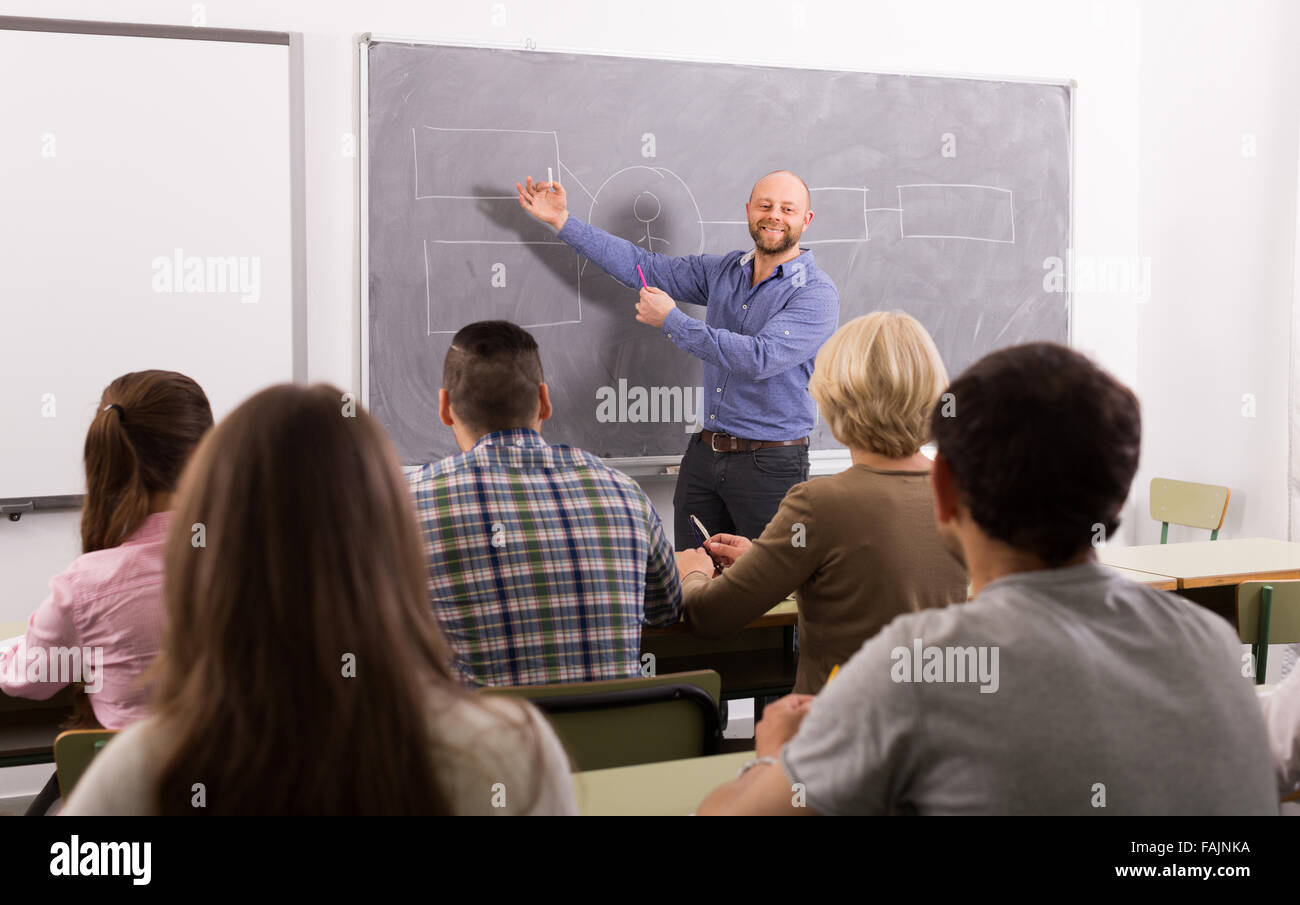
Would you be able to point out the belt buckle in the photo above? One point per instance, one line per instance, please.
(713, 442)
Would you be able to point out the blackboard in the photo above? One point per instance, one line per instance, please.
(947, 198)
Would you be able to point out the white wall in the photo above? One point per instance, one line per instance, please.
(1165, 90)
(1220, 228)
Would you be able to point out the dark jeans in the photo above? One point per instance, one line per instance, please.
(733, 493)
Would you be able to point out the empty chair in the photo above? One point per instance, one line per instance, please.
(1268, 612)
(1188, 503)
(620, 722)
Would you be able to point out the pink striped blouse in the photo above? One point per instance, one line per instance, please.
(107, 606)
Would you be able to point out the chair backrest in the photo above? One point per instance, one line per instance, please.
(622, 722)
(1268, 612)
(1188, 503)
(73, 752)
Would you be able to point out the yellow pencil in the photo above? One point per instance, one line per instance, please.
(834, 670)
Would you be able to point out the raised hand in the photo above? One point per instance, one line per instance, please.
(547, 201)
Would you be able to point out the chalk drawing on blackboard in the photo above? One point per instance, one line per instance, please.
(577, 180)
(841, 214)
(980, 213)
(478, 163)
(652, 207)
(541, 287)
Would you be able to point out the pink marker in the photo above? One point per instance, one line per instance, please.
(642, 276)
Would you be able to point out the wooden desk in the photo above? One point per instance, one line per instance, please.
(784, 613)
(1159, 582)
(674, 787)
(28, 728)
(1208, 564)
(758, 661)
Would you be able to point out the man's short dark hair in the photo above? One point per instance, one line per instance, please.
(492, 373)
(1042, 445)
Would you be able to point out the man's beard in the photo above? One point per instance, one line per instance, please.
(762, 240)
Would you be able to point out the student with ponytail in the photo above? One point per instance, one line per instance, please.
(108, 604)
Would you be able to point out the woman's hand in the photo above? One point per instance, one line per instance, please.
(727, 547)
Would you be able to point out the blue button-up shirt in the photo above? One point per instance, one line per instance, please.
(757, 343)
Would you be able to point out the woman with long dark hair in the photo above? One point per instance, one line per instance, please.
(302, 671)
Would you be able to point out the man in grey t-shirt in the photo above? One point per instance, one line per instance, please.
(1062, 688)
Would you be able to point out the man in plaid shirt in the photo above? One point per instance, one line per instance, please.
(543, 562)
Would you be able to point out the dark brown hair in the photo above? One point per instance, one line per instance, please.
(145, 427)
(492, 373)
(294, 552)
(1043, 446)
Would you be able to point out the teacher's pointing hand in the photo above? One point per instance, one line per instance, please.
(547, 201)
(653, 306)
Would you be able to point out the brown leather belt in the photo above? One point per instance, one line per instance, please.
(725, 443)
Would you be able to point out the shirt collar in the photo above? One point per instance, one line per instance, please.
(1090, 570)
(153, 528)
(805, 255)
(514, 436)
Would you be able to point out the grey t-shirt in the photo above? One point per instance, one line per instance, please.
(1097, 691)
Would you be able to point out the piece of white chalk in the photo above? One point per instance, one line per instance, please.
(550, 178)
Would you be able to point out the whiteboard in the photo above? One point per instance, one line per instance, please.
(152, 220)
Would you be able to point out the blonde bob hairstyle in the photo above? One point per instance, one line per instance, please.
(876, 381)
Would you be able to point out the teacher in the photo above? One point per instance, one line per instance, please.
(769, 309)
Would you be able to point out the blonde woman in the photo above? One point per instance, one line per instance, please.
(857, 548)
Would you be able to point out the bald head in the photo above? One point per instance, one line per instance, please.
(780, 186)
(778, 211)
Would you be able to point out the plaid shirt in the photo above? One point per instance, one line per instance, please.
(543, 562)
